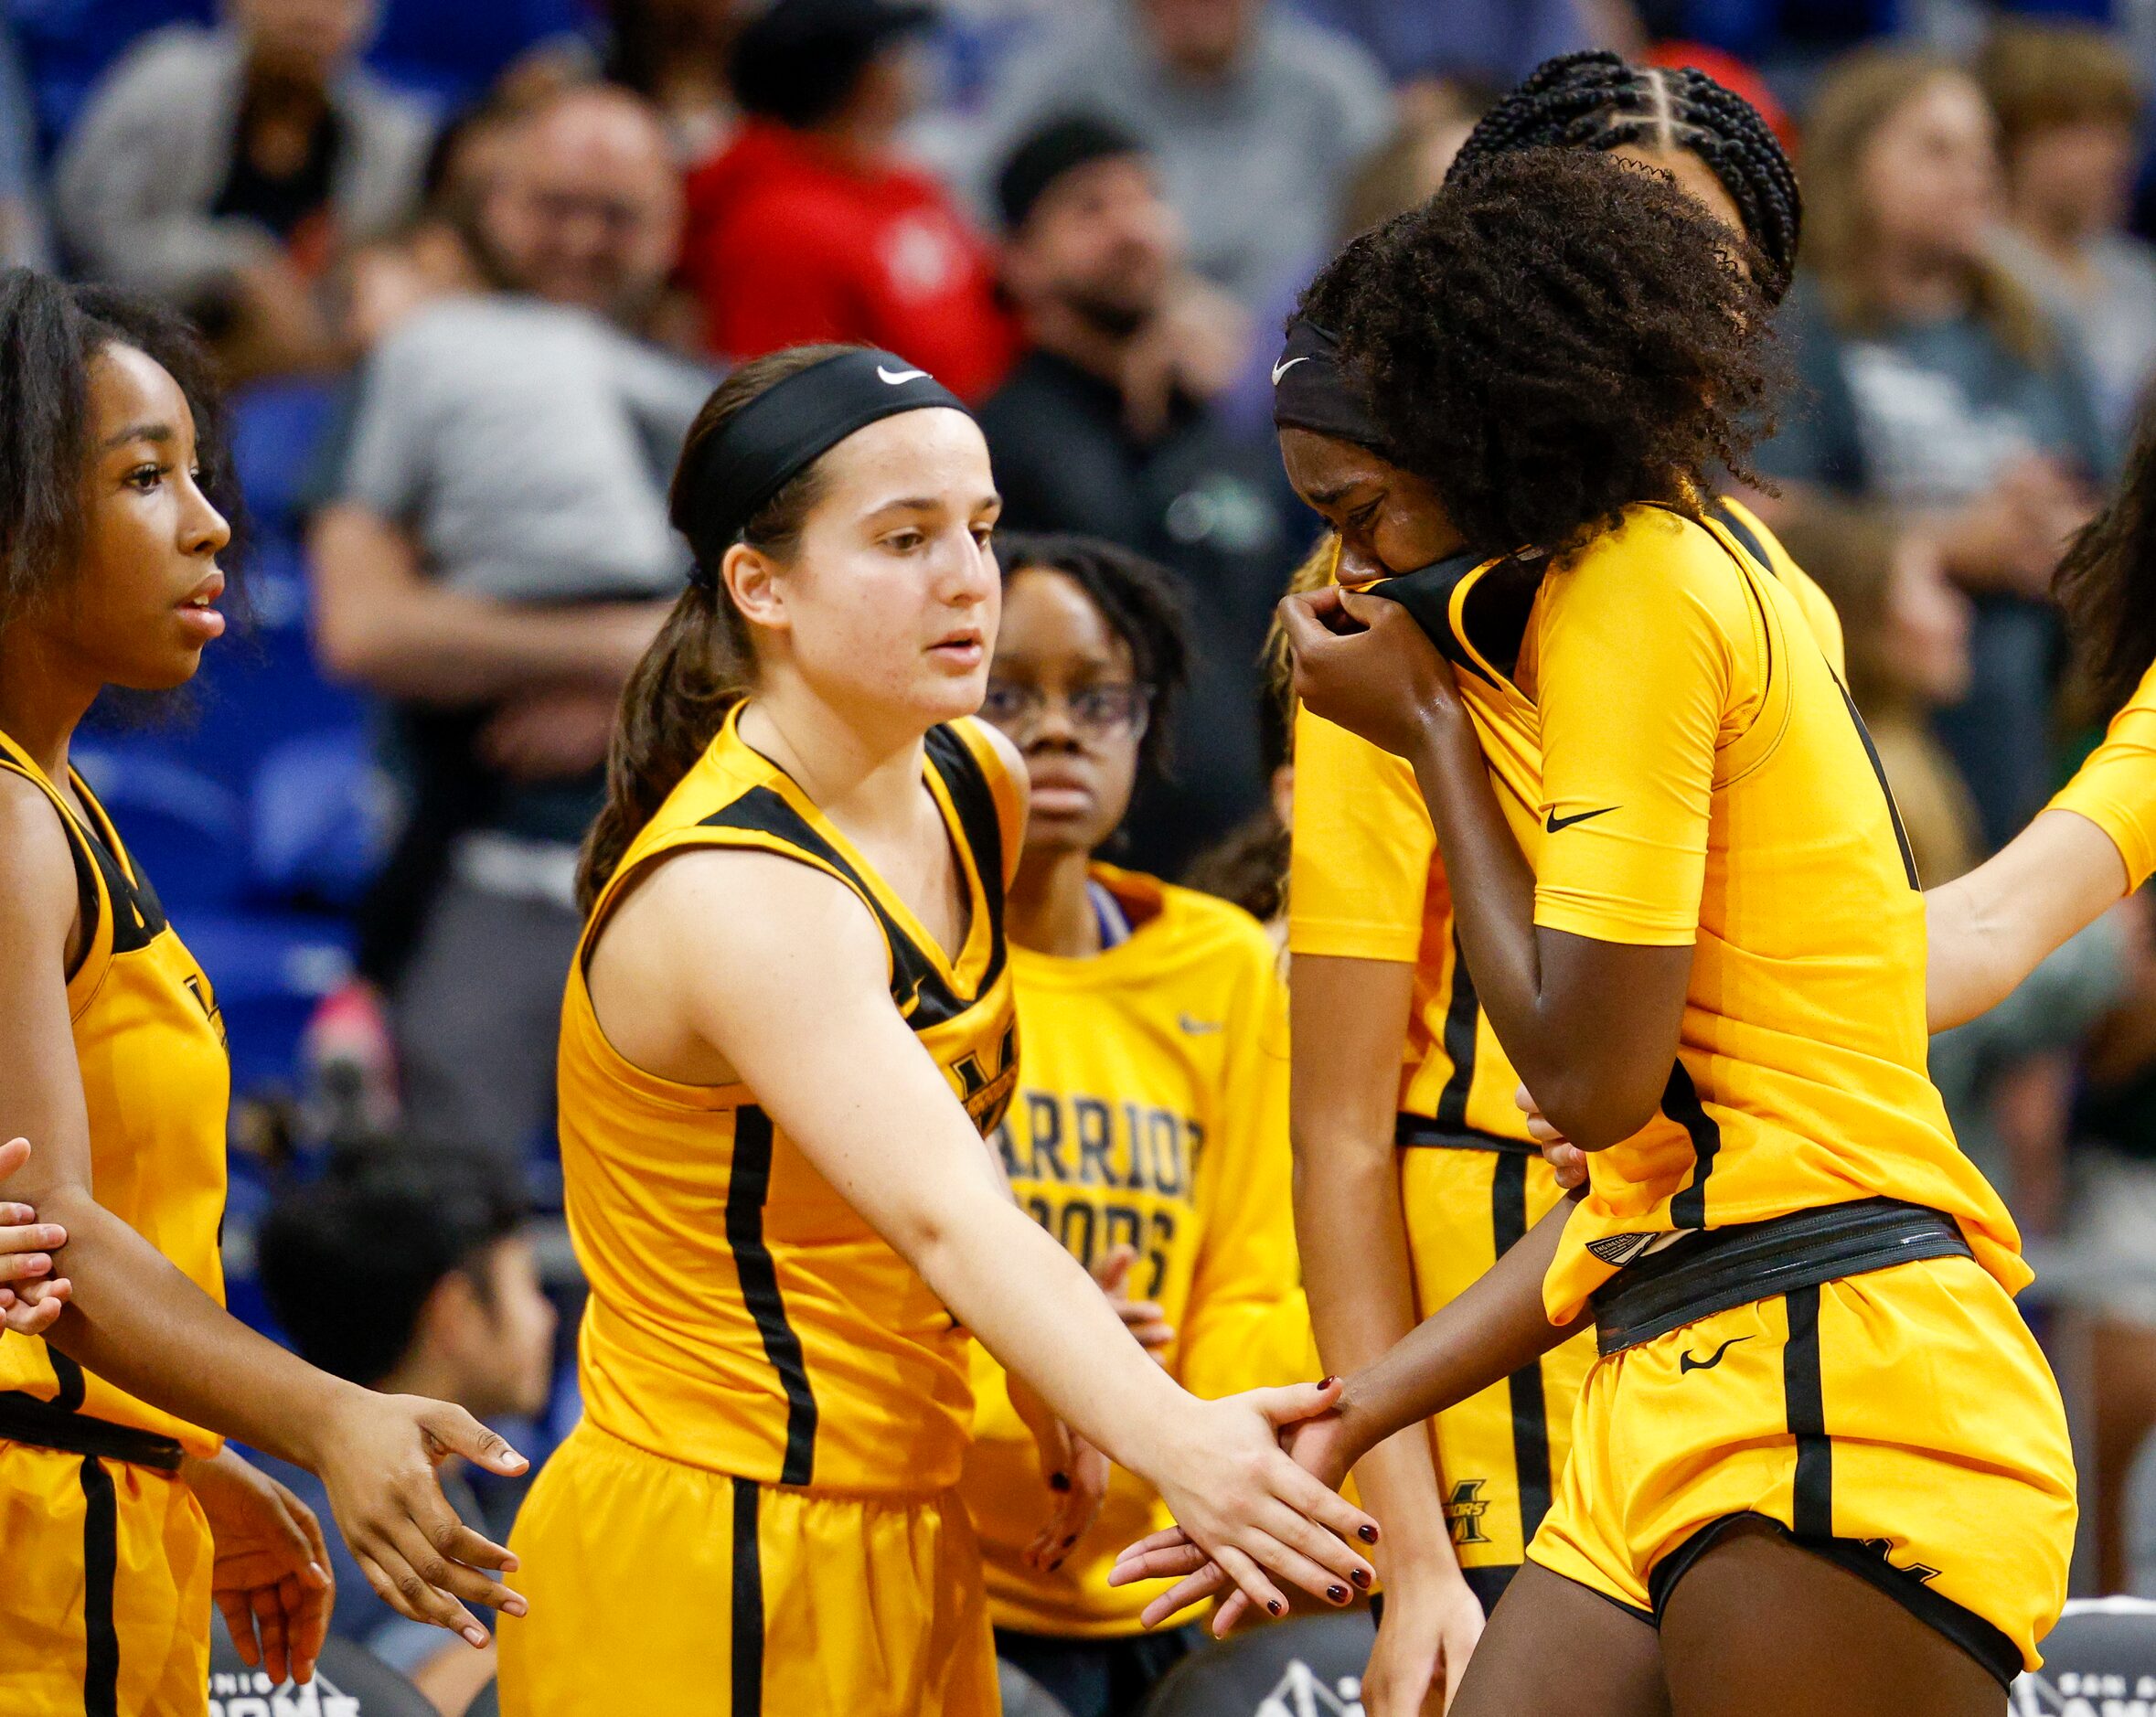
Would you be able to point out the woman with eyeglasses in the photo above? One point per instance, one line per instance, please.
(1148, 1133)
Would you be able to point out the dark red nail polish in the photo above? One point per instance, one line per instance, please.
(1339, 1595)
(1326, 1382)
(1368, 1534)
(1361, 1578)
(1273, 1606)
(1059, 1481)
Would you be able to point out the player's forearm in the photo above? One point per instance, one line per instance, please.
(138, 1323)
(1987, 931)
(1491, 1330)
(1042, 1318)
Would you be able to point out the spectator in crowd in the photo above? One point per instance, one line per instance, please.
(453, 1309)
(2069, 107)
(1937, 388)
(809, 228)
(222, 168)
(674, 53)
(1092, 256)
(1255, 117)
(24, 240)
(492, 555)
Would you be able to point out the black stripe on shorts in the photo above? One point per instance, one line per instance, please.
(1460, 1013)
(1530, 1420)
(745, 1194)
(748, 1603)
(101, 1567)
(1811, 1512)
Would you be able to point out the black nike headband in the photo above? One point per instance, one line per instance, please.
(788, 427)
(1314, 389)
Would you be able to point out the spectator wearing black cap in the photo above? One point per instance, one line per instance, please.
(808, 227)
(410, 1271)
(1095, 259)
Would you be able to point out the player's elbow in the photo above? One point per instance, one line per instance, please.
(1596, 1108)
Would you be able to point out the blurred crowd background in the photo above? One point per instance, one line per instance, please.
(472, 266)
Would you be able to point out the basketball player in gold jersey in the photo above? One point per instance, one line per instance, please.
(1704, 945)
(122, 1513)
(787, 1032)
(1148, 1133)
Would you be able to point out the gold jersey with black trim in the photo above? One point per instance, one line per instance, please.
(1367, 882)
(743, 1316)
(1151, 1114)
(108, 1551)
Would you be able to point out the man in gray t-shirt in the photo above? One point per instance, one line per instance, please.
(492, 559)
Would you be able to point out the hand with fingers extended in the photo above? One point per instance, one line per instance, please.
(1566, 1161)
(1075, 1473)
(31, 1297)
(378, 1460)
(1424, 1637)
(1146, 1319)
(1246, 1511)
(1317, 1445)
(271, 1577)
(1363, 663)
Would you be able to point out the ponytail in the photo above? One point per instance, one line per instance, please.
(703, 661)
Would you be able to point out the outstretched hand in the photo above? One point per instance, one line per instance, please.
(1363, 663)
(1074, 1472)
(270, 1576)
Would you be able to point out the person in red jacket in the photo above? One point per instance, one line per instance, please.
(808, 227)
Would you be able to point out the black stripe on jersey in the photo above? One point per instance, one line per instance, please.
(1747, 537)
(1893, 811)
(100, 1569)
(1459, 1042)
(916, 986)
(1531, 1414)
(746, 1192)
(68, 1376)
(983, 830)
(748, 1603)
(1811, 1512)
(1680, 1103)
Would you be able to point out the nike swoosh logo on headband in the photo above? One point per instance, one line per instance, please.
(896, 376)
(1285, 365)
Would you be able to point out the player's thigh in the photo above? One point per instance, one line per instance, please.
(1759, 1627)
(1553, 1645)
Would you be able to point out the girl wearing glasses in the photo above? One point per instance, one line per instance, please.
(1150, 1130)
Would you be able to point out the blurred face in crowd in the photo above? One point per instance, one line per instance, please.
(583, 206)
(1063, 692)
(1388, 521)
(886, 608)
(1101, 242)
(493, 1327)
(1928, 178)
(141, 604)
(308, 40)
(1201, 38)
(2075, 181)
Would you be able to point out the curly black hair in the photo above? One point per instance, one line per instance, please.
(2105, 585)
(1143, 604)
(1596, 100)
(1556, 336)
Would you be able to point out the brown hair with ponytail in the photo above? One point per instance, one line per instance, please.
(703, 661)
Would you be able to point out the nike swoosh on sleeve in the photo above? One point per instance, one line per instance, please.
(1552, 823)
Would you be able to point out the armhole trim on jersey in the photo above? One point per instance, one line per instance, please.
(973, 794)
(85, 973)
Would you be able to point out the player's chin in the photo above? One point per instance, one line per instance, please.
(166, 668)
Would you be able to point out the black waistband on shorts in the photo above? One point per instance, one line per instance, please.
(26, 1419)
(1420, 1133)
(1717, 1269)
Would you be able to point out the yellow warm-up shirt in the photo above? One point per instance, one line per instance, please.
(2116, 788)
(742, 1316)
(1366, 880)
(155, 1083)
(1707, 783)
(1151, 1113)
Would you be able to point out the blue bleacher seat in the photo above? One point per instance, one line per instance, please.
(321, 818)
(276, 428)
(185, 831)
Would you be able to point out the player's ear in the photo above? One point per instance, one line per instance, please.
(751, 580)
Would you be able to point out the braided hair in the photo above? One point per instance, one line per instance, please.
(1597, 100)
